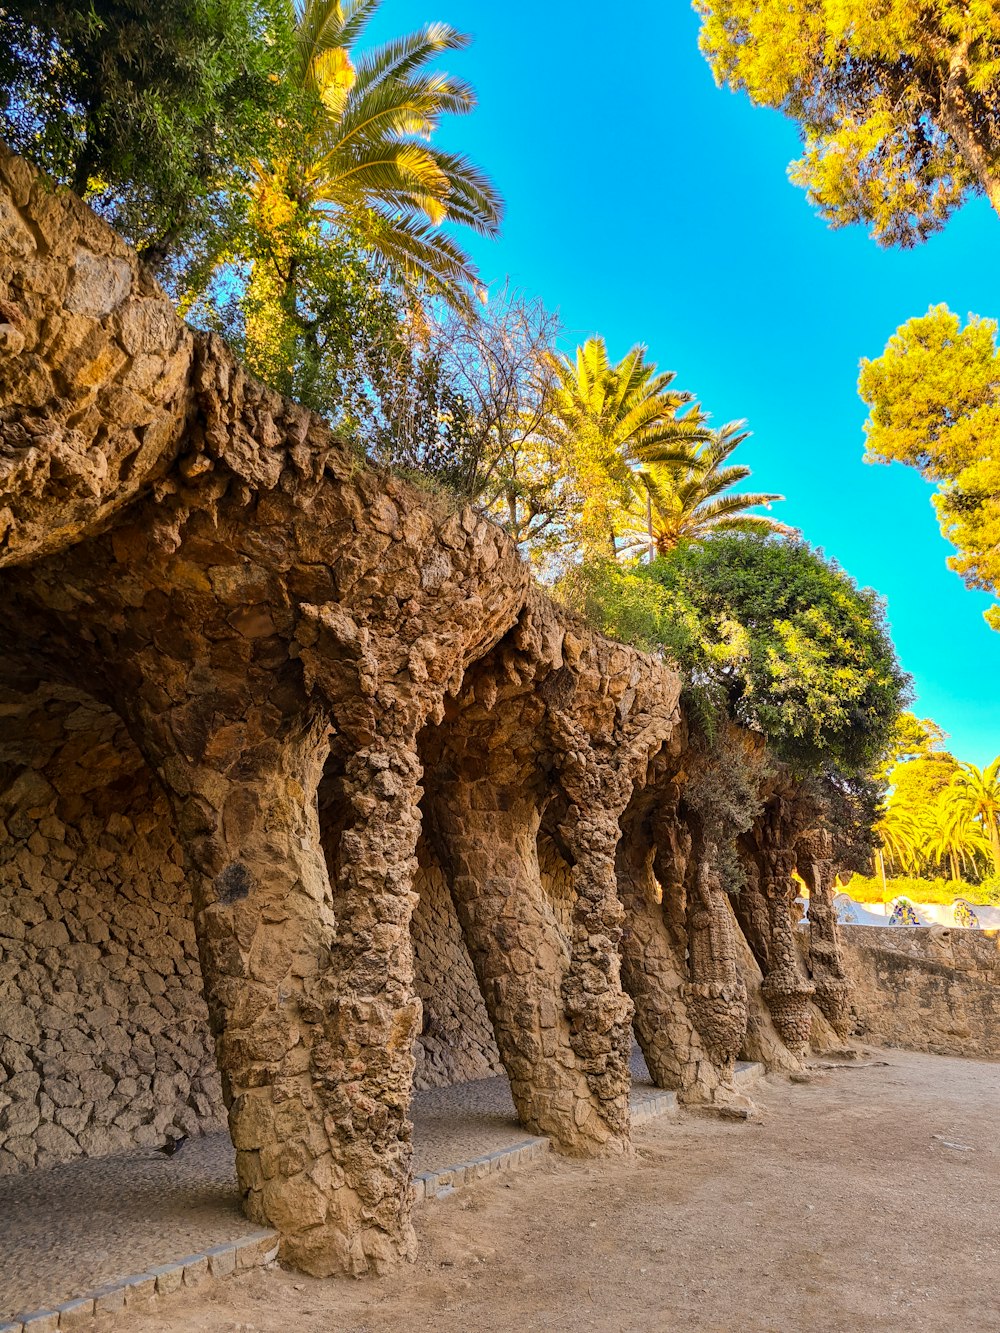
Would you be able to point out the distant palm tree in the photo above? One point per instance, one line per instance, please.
(604, 416)
(688, 498)
(976, 792)
(951, 834)
(902, 838)
(362, 161)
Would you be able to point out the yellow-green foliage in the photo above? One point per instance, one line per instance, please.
(868, 889)
(934, 396)
(604, 417)
(769, 632)
(897, 101)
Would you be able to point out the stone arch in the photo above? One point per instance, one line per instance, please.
(678, 961)
(491, 815)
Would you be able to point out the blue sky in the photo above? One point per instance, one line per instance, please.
(647, 205)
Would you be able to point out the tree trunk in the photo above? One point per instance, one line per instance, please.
(956, 117)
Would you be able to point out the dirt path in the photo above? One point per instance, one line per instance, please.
(845, 1209)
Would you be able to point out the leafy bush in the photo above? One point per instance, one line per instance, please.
(768, 631)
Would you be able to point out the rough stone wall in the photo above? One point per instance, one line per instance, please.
(926, 989)
(104, 1038)
(557, 881)
(456, 1040)
(94, 367)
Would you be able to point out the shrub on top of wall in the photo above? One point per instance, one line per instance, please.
(767, 631)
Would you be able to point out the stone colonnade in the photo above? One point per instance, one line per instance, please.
(270, 619)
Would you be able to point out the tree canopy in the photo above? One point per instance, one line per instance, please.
(605, 417)
(898, 103)
(934, 400)
(693, 496)
(152, 112)
(771, 631)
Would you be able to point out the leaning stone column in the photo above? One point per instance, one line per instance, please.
(786, 992)
(716, 995)
(653, 949)
(829, 977)
(488, 839)
(599, 1011)
(313, 1063)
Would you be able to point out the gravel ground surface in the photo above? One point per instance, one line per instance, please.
(864, 1201)
(66, 1231)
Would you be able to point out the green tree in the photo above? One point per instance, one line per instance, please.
(934, 400)
(913, 738)
(691, 499)
(898, 103)
(152, 112)
(917, 784)
(769, 632)
(953, 837)
(603, 418)
(902, 837)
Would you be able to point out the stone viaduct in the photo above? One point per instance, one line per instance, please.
(296, 756)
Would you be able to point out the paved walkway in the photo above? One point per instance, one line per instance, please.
(78, 1226)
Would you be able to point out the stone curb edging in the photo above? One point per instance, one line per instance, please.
(439, 1184)
(98, 1309)
(653, 1105)
(429, 1185)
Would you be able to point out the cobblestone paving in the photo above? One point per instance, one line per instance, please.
(67, 1231)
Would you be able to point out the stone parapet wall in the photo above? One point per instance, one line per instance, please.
(926, 989)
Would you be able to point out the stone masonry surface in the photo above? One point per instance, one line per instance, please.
(104, 1038)
(926, 988)
(456, 1040)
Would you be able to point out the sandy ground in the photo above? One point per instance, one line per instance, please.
(845, 1208)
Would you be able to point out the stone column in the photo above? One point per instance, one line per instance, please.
(785, 990)
(829, 977)
(653, 949)
(312, 1016)
(716, 995)
(599, 1011)
(487, 840)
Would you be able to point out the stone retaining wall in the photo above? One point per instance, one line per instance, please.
(926, 988)
(104, 1038)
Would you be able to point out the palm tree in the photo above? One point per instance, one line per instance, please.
(688, 499)
(603, 417)
(902, 838)
(976, 792)
(362, 161)
(951, 834)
